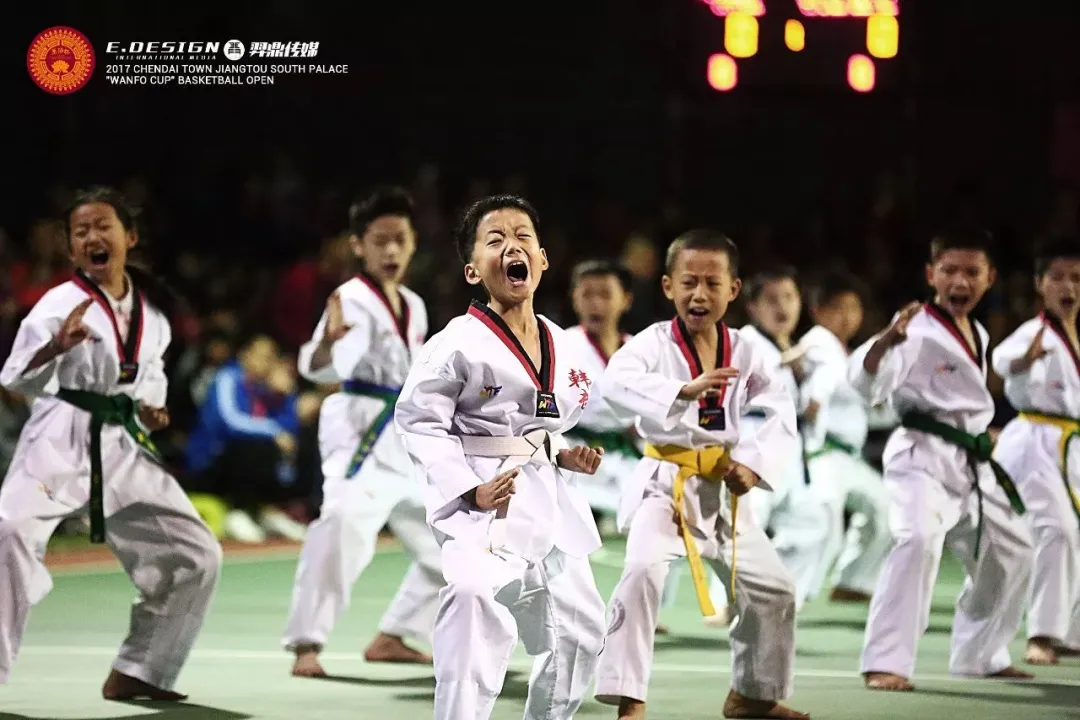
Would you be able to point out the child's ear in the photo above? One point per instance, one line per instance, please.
(472, 275)
(668, 286)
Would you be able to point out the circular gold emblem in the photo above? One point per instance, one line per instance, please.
(60, 60)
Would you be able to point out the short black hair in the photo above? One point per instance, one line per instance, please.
(756, 285)
(703, 239)
(1063, 246)
(465, 232)
(962, 238)
(602, 268)
(832, 285)
(383, 201)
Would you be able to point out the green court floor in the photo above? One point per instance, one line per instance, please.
(238, 670)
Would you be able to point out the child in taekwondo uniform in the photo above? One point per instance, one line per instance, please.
(91, 354)
(1040, 363)
(688, 380)
(482, 413)
(930, 365)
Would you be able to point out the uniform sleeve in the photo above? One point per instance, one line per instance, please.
(346, 353)
(35, 332)
(768, 450)
(895, 366)
(1013, 348)
(154, 387)
(633, 388)
(825, 376)
(423, 416)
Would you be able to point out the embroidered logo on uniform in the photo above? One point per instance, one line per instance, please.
(490, 391)
(944, 368)
(581, 381)
(47, 491)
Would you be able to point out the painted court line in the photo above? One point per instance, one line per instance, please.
(280, 656)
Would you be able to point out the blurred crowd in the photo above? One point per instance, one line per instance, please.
(244, 426)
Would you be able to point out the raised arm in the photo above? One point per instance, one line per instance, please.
(633, 388)
(881, 364)
(424, 417)
(340, 340)
(1018, 354)
(44, 336)
(768, 450)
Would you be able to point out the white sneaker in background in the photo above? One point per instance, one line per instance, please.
(276, 522)
(240, 527)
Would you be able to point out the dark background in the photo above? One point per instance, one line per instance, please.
(598, 111)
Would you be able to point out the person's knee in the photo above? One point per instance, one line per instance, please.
(205, 560)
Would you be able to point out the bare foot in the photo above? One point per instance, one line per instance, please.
(740, 706)
(1040, 651)
(887, 681)
(1012, 673)
(631, 709)
(663, 630)
(307, 662)
(392, 649)
(124, 687)
(847, 595)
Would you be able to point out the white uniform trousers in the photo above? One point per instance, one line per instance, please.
(799, 530)
(762, 637)
(840, 481)
(930, 506)
(168, 552)
(341, 544)
(490, 601)
(1029, 453)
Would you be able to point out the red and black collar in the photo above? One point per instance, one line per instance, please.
(690, 353)
(1059, 328)
(595, 342)
(401, 322)
(544, 376)
(945, 318)
(126, 347)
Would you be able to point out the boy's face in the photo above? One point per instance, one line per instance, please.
(507, 258)
(702, 286)
(1059, 286)
(599, 302)
(843, 315)
(386, 247)
(777, 307)
(960, 278)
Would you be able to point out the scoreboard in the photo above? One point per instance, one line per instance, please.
(740, 18)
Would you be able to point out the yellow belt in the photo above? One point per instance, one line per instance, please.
(709, 463)
(1070, 428)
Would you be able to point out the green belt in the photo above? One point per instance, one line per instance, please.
(389, 396)
(105, 410)
(979, 449)
(614, 441)
(833, 443)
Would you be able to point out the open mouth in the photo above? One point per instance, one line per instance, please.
(99, 258)
(698, 312)
(517, 272)
(391, 268)
(1068, 303)
(958, 300)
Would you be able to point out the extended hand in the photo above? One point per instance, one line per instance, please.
(740, 479)
(73, 331)
(153, 419)
(336, 328)
(497, 493)
(708, 383)
(580, 459)
(897, 331)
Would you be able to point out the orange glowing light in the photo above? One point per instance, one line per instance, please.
(860, 73)
(882, 36)
(723, 73)
(848, 8)
(723, 8)
(794, 35)
(741, 35)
